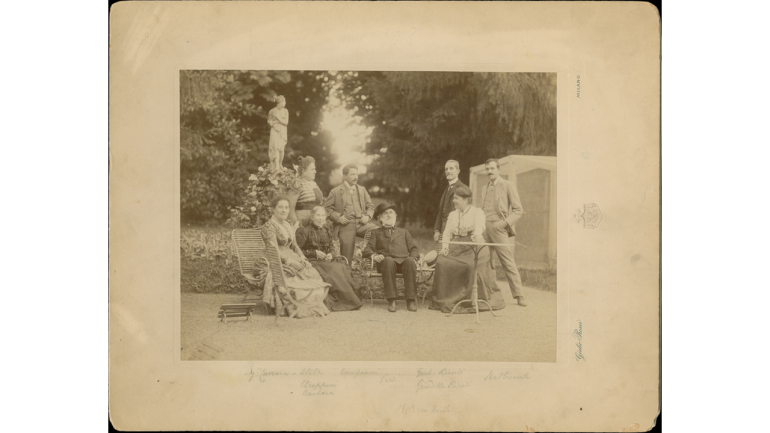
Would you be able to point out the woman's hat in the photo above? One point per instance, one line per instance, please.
(382, 207)
(463, 191)
(430, 258)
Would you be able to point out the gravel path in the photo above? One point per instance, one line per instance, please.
(519, 334)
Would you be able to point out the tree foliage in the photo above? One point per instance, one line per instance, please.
(422, 119)
(224, 133)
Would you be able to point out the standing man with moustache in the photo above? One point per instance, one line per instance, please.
(502, 208)
(350, 208)
(445, 207)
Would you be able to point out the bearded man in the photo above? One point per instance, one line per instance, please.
(394, 251)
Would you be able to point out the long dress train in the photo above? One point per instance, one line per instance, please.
(453, 280)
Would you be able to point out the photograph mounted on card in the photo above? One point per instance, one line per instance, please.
(411, 210)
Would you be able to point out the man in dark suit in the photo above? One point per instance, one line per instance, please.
(445, 207)
(350, 208)
(394, 251)
(502, 208)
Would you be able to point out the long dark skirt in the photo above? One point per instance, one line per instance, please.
(453, 280)
(342, 294)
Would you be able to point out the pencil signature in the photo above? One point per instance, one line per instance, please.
(578, 334)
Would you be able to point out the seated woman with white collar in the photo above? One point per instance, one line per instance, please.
(454, 267)
(315, 241)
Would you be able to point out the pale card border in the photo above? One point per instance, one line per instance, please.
(229, 380)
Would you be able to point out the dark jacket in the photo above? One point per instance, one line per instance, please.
(311, 238)
(446, 206)
(398, 246)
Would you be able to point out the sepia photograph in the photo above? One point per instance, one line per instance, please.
(368, 215)
(414, 210)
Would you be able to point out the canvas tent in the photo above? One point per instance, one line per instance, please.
(535, 179)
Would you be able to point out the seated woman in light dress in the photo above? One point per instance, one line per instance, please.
(290, 272)
(453, 279)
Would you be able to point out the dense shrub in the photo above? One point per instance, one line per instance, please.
(260, 189)
(208, 264)
(203, 276)
(196, 244)
(224, 133)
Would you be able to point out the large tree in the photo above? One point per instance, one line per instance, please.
(422, 119)
(224, 133)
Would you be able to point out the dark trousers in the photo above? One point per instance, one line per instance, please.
(408, 268)
(348, 233)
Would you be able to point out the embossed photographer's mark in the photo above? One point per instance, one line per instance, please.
(578, 86)
(591, 216)
(578, 335)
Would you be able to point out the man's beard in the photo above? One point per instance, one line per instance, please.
(389, 222)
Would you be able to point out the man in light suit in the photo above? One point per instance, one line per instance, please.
(502, 207)
(445, 207)
(350, 208)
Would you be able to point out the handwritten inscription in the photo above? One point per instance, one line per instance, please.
(266, 374)
(428, 379)
(442, 372)
(357, 372)
(578, 335)
(315, 389)
(410, 409)
(387, 379)
(505, 375)
(425, 384)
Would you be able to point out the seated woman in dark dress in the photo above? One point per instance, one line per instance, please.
(315, 240)
(454, 266)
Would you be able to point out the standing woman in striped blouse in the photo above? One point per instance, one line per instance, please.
(310, 195)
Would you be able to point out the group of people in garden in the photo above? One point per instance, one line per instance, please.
(308, 252)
